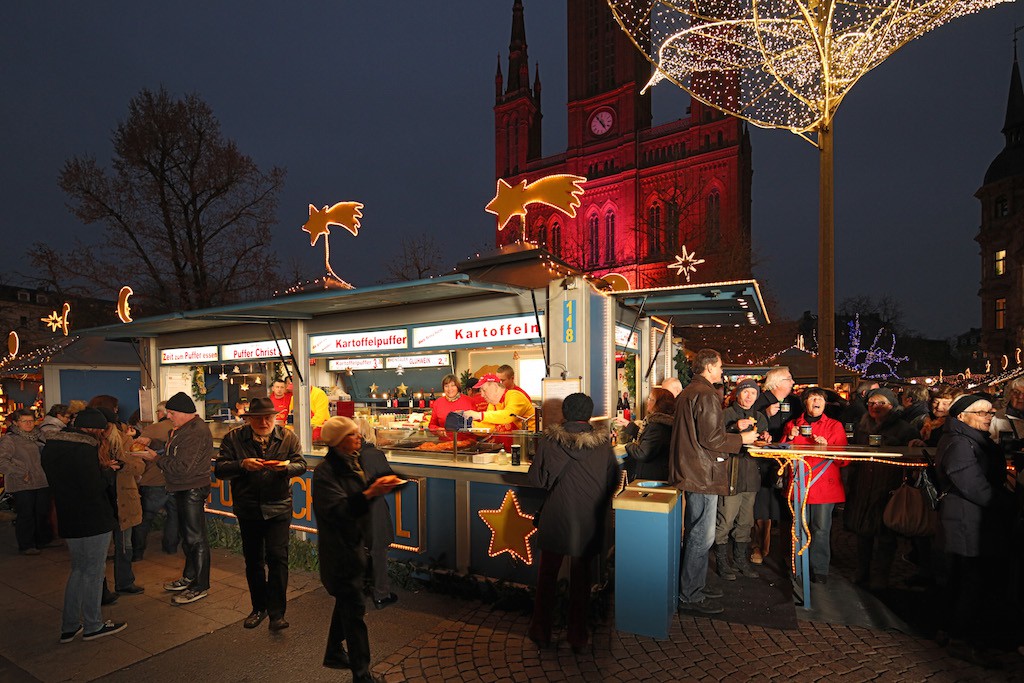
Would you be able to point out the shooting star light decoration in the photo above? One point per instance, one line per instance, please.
(559, 191)
(343, 214)
(686, 263)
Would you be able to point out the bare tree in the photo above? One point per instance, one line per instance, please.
(186, 215)
(419, 258)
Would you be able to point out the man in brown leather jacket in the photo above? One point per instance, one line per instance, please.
(699, 466)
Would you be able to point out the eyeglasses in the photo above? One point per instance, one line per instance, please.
(983, 413)
(878, 403)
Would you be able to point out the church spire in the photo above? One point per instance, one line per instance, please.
(518, 61)
(1014, 103)
(498, 81)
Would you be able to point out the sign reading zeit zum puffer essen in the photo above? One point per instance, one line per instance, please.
(190, 354)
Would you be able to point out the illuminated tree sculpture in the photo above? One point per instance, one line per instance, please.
(783, 64)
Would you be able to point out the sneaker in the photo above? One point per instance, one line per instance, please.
(109, 628)
(188, 596)
(68, 636)
(181, 584)
(702, 608)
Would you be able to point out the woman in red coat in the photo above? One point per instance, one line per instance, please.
(826, 484)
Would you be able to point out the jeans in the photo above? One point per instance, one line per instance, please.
(192, 522)
(265, 547)
(85, 583)
(735, 515)
(698, 537)
(819, 519)
(124, 576)
(154, 499)
(347, 625)
(32, 526)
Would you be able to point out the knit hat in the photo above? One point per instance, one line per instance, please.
(90, 418)
(748, 383)
(337, 428)
(181, 403)
(884, 393)
(577, 407)
(965, 402)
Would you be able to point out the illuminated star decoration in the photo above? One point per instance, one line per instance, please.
(559, 191)
(510, 529)
(58, 322)
(244, 387)
(686, 263)
(343, 214)
(373, 388)
(402, 389)
(223, 376)
(400, 371)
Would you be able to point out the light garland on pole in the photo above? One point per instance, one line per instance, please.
(783, 64)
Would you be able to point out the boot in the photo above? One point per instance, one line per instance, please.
(739, 558)
(722, 562)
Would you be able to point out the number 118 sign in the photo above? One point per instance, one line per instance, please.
(569, 322)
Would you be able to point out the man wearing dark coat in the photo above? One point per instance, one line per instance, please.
(575, 463)
(341, 503)
(260, 460)
(698, 465)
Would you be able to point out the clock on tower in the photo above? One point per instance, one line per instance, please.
(601, 121)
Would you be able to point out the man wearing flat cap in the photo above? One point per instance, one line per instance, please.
(186, 467)
(260, 460)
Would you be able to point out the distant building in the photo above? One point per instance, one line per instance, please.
(23, 308)
(1002, 236)
(651, 191)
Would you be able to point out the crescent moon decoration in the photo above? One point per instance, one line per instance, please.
(1017, 355)
(124, 311)
(13, 343)
(59, 321)
(1006, 361)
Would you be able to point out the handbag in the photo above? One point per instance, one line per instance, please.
(908, 512)
(926, 482)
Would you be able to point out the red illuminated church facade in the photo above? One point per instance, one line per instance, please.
(651, 191)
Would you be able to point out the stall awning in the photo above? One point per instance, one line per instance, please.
(702, 305)
(306, 305)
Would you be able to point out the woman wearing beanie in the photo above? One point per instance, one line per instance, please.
(341, 502)
(825, 487)
(577, 466)
(79, 468)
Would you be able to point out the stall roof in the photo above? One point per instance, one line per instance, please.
(304, 306)
(521, 263)
(708, 304)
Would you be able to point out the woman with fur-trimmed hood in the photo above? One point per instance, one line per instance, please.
(576, 464)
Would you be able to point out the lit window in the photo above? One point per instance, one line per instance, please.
(1000, 314)
(1000, 264)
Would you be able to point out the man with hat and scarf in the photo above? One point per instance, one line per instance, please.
(186, 467)
(341, 502)
(260, 460)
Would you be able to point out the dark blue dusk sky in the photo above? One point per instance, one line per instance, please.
(391, 103)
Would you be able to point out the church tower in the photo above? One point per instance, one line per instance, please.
(650, 191)
(1001, 236)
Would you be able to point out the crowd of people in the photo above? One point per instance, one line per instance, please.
(108, 480)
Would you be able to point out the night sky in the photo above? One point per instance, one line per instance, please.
(390, 104)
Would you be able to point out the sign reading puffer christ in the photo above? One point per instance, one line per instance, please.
(343, 214)
(559, 191)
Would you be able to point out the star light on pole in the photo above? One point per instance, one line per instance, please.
(783, 64)
(686, 263)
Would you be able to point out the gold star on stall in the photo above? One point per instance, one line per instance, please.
(402, 389)
(373, 388)
(510, 529)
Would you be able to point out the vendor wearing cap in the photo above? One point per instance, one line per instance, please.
(506, 410)
(260, 460)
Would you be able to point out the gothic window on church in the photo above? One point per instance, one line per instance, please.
(510, 150)
(654, 230)
(712, 217)
(1000, 262)
(609, 237)
(556, 239)
(1000, 314)
(593, 248)
(593, 48)
(1001, 208)
(542, 234)
(721, 139)
(671, 228)
(608, 56)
